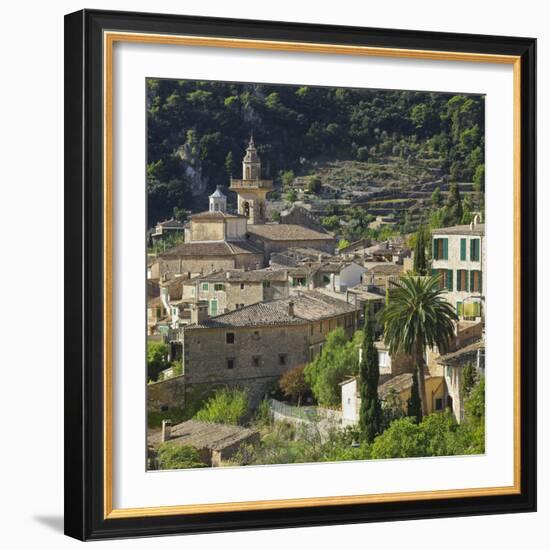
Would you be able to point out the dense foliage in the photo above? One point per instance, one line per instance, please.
(157, 359)
(171, 456)
(293, 384)
(370, 411)
(197, 131)
(226, 406)
(337, 361)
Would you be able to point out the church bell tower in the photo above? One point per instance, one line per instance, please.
(252, 189)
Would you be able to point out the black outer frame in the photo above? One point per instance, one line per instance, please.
(84, 275)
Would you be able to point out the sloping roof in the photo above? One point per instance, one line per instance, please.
(171, 224)
(218, 194)
(478, 229)
(214, 248)
(385, 269)
(287, 232)
(204, 435)
(210, 216)
(253, 276)
(309, 305)
(460, 356)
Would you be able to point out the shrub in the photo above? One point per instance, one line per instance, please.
(293, 384)
(172, 456)
(157, 359)
(404, 438)
(226, 406)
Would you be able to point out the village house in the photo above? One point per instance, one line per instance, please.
(395, 391)
(260, 342)
(459, 259)
(167, 227)
(453, 364)
(234, 289)
(379, 276)
(216, 443)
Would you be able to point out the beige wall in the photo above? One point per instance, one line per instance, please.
(207, 231)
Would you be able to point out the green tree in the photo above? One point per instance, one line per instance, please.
(229, 164)
(293, 384)
(414, 404)
(275, 216)
(291, 196)
(343, 243)
(370, 411)
(157, 359)
(172, 456)
(468, 380)
(333, 365)
(403, 439)
(420, 266)
(418, 316)
(314, 185)
(436, 198)
(454, 211)
(287, 177)
(226, 406)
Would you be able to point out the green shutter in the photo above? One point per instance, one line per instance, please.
(445, 249)
(449, 278)
(471, 281)
(458, 281)
(213, 307)
(436, 250)
(459, 309)
(477, 309)
(480, 285)
(467, 286)
(463, 250)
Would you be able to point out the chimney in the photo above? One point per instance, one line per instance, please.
(166, 430)
(199, 312)
(291, 308)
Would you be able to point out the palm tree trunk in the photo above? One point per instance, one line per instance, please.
(420, 373)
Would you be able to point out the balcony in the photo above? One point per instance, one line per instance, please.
(251, 184)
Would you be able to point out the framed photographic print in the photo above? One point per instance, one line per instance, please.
(300, 274)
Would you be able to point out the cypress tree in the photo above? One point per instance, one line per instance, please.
(370, 412)
(414, 405)
(419, 265)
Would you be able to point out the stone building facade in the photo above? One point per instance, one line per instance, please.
(459, 260)
(258, 343)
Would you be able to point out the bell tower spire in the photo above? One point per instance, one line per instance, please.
(252, 189)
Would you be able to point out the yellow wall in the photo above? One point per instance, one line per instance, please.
(207, 231)
(435, 388)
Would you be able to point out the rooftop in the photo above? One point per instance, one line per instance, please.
(309, 305)
(472, 229)
(204, 435)
(212, 248)
(237, 275)
(287, 232)
(170, 224)
(461, 356)
(211, 216)
(397, 384)
(385, 269)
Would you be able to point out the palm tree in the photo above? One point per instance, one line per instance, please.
(417, 316)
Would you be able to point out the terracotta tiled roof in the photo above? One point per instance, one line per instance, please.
(204, 435)
(385, 269)
(287, 232)
(216, 248)
(236, 275)
(208, 216)
(478, 229)
(461, 356)
(171, 224)
(309, 305)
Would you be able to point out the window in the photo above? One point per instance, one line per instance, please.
(256, 360)
(229, 337)
(282, 359)
(438, 404)
(256, 335)
(326, 279)
(475, 281)
(462, 279)
(448, 372)
(219, 286)
(266, 284)
(239, 306)
(320, 349)
(462, 250)
(205, 287)
(445, 278)
(474, 250)
(242, 286)
(311, 354)
(230, 363)
(213, 307)
(383, 359)
(441, 249)
(311, 330)
(174, 311)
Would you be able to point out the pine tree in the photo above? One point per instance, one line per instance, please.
(370, 412)
(419, 265)
(414, 405)
(454, 206)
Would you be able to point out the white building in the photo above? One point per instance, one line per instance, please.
(459, 259)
